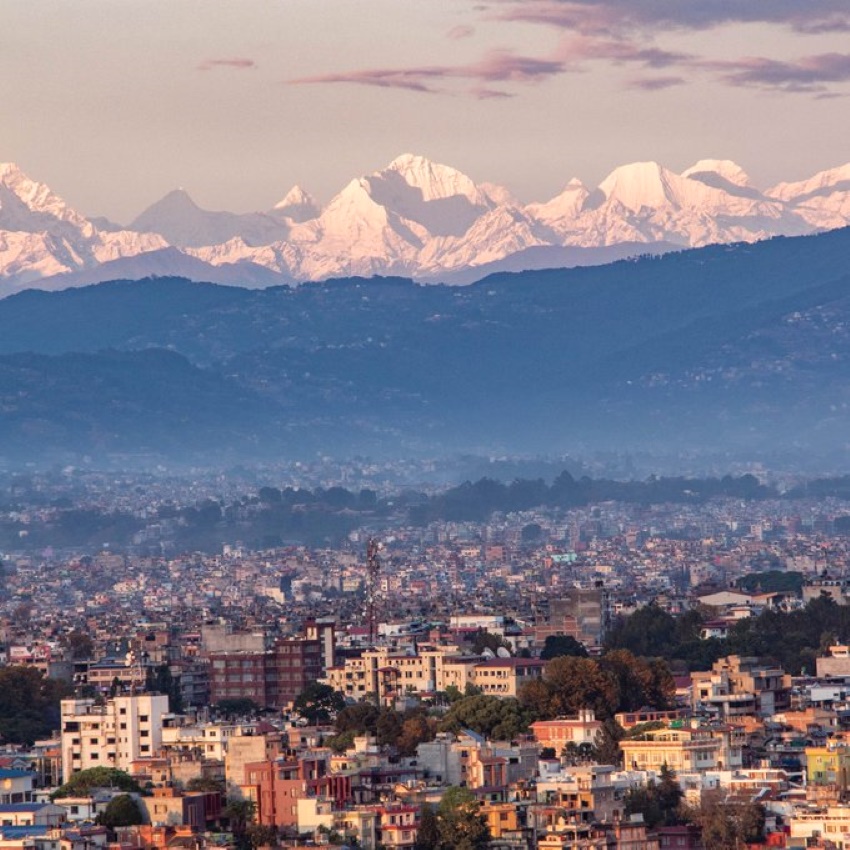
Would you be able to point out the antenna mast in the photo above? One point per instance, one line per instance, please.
(373, 566)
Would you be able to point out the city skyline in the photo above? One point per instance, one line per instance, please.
(117, 104)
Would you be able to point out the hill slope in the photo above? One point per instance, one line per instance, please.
(727, 347)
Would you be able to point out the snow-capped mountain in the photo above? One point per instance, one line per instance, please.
(41, 236)
(180, 221)
(823, 200)
(415, 217)
(296, 205)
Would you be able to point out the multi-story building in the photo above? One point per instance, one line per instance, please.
(682, 750)
(503, 677)
(115, 734)
(387, 673)
(558, 733)
(737, 687)
(271, 678)
(581, 612)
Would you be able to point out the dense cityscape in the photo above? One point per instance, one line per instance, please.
(638, 673)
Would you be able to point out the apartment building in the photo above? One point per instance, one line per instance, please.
(115, 734)
(271, 678)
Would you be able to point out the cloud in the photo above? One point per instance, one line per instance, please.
(484, 93)
(460, 31)
(236, 63)
(810, 74)
(496, 66)
(584, 48)
(619, 16)
(656, 83)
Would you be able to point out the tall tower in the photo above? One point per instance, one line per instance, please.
(373, 566)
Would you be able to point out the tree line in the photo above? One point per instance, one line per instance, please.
(791, 639)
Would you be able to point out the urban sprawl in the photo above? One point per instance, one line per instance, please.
(611, 676)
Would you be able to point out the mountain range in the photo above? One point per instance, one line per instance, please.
(414, 218)
(737, 349)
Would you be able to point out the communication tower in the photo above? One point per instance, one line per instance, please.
(373, 567)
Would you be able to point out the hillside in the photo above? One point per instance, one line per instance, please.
(739, 348)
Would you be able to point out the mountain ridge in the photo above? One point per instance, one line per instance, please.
(414, 217)
(731, 348)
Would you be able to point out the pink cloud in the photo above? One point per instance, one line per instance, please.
(656, 83)
(494, 66)
(618, 16)
(460, 31)
(236, 63)
(810, 74)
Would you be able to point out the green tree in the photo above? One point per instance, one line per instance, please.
(360, 718)
(659, 803)
(122, 810)
(78, 645)
(727, 826)
(482, 639)
(501, 719)
(207, 784)
(160, 680)
(649, 632)
(29, 704)
(236, 707)
(557, 645)
(606, 747)
(82, 783)
(460, 822)
(240, 815)
(416, 729)
(639, 682)
(318, 703)
(261, 835)
(578, 683)
(428, 833)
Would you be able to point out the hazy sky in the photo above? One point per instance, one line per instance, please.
(115, 102)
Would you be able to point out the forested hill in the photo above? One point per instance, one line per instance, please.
(737, 347)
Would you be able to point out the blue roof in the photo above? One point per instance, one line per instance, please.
(9, 773)
(23, 807)
(22, 831)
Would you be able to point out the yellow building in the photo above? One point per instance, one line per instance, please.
(681, 750)
(503, 677)
(503, 819)
(828, 772)
(390, 673)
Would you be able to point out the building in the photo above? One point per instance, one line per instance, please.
(682, 750)
(581, 730)
(503, 677)
(272, 678)
(738, 687)
(581, 612)
(124, 729)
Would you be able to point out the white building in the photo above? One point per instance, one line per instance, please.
(126, 728)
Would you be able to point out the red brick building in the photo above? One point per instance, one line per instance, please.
(272, 678)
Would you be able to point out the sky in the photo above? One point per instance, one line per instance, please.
(113, 103)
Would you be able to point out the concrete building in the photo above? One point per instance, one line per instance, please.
(124, 729)
(737, 687)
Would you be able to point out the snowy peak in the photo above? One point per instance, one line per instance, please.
(28, 205)
(564, 206)
(297, 205)
(639, 185)
(434, 181)
(414, 217)
(178, 219)
(441, 199)
(176, 202)
(823, 183)
(726, 169)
